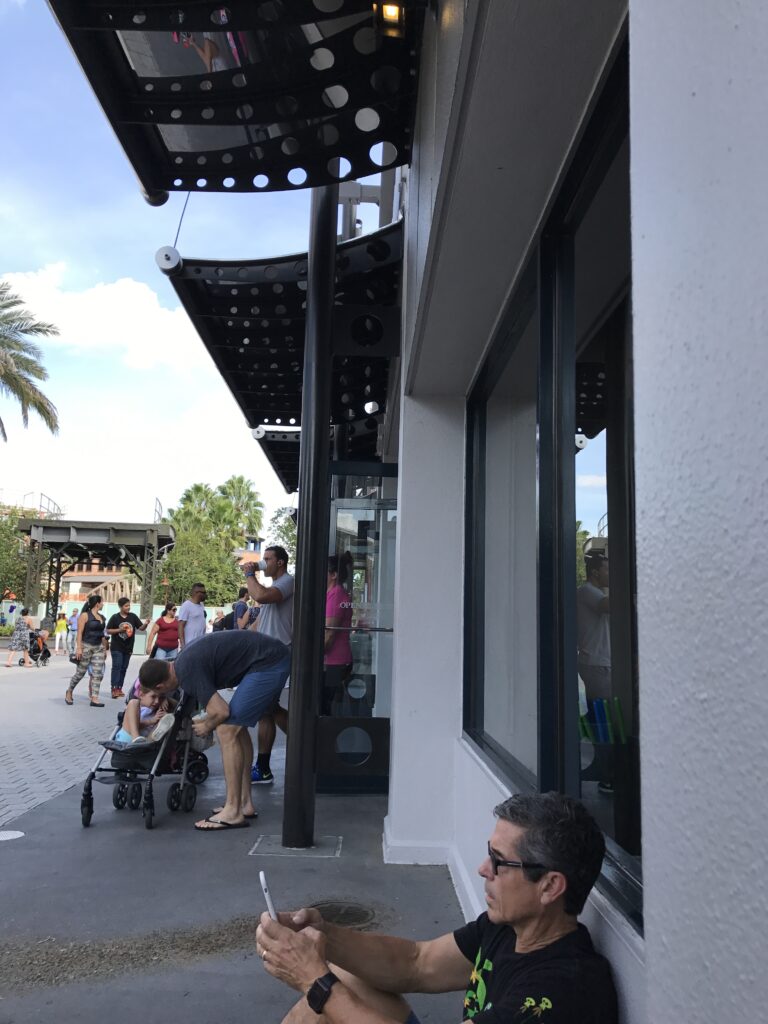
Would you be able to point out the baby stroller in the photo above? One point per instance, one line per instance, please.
(135, 767)
(38, 650)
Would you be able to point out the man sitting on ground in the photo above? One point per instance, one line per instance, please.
(257, 666)
(525, 959)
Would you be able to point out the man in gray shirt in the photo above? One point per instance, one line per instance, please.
(257, 667)
(192, 616)
(275, 620)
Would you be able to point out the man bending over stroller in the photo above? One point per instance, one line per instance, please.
(257, 666)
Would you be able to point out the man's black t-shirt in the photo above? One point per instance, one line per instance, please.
(118, 641)
(218, 660)
(566, 982)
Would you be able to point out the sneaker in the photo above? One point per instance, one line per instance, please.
(261, 778)
(162, 727)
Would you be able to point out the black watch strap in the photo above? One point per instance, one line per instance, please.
(318, 995)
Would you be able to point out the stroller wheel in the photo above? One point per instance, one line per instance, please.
(134, 796)
(86, 811)
(188, 796)
(197, 772)
(174, 797)
(120, 796)
(21, 661)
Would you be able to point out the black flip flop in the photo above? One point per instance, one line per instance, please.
(222, 826)
(249, 817)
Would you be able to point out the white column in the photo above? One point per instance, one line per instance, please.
(426, 699)
(699, 141)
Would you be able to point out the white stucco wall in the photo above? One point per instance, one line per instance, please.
(699, 169)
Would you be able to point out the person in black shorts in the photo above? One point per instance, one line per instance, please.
(526, 959)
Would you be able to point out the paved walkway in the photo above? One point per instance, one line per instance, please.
(115, 921)
(45, 746)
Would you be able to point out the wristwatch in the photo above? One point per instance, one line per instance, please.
(318, 995)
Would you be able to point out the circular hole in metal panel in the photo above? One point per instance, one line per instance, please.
(339, 167)
(367, 119)
(221, 16)
(202, 160)
(354, 746)
(244, 112)
(383, 154)
(149, 87)
(239, 80)
(386, 80)
(270, 272)
(139, 18)
(356, 688)
(176, 113)
(328, 135)
(175, 86)
(378, 250)
(206, 85)
(290, 146)
(371, 407)
(366, 40)
(228, 182)
(322, 59)
(227, 158)
(335, 96)
(207, 113)
(328, 6)
(366, 330)
(202, 182)
(261, 181)
(286, 106)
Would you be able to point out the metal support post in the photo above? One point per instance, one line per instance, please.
(312, 527)
(148, 574)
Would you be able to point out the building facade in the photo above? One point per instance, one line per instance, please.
(581, 256)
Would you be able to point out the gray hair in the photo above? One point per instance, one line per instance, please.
(561, 834)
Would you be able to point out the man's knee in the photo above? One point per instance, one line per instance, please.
(228, 734)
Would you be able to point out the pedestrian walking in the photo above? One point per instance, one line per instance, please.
(72, 631)
(60, 634)
(20, 639)
(166, 629)
(90, 650)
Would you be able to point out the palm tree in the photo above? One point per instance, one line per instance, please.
(20, 363)
(248, 509)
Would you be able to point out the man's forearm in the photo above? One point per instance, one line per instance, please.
(383, 961)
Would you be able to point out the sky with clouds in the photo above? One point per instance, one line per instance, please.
(143, 412)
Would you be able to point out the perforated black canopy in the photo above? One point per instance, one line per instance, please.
(251, 318)
(251, 95)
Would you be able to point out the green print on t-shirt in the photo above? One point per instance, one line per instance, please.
(474, 1001)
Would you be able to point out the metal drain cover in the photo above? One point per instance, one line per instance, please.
(348, 915)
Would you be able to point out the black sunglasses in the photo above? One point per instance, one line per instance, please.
(497, 862)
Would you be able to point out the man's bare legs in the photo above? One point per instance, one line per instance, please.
(393, 1007)
(232, 751)
(267, 731)
(246, 808)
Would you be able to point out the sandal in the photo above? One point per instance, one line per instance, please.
(69, 698)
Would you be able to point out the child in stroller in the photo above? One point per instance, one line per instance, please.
(38, 648)
(146, 719)
(168, 750)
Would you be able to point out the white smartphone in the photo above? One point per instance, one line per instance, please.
(267, 897)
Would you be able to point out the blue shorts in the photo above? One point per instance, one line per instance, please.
(257, 692)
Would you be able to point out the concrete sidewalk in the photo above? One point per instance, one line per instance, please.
(116, 922)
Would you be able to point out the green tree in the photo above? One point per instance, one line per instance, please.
(13, 554)
(194, 559)
(20, 365)
(282, 530)
(247, 508)
(210, 523)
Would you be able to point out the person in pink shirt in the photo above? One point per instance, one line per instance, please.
(338, 620)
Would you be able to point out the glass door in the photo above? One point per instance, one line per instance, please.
(355, 699)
